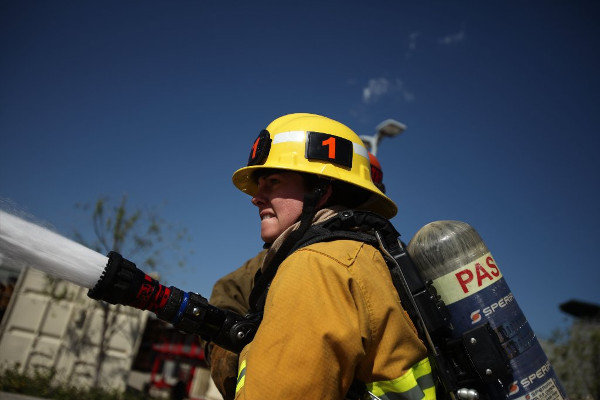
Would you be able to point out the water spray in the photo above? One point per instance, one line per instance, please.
(118, 281)
(25, 243)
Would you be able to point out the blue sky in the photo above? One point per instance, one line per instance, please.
(161, 100)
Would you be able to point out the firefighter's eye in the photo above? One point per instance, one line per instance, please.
(270, 180)
(274, 180)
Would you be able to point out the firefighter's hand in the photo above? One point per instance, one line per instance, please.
(223, 369)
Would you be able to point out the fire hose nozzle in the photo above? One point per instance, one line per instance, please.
(119, 283)
(123, 283)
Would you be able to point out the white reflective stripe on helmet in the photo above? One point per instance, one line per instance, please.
(300, 136)
(360, 150)
(291, 136)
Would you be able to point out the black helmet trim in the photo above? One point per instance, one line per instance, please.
(330, 148)
(260, 149)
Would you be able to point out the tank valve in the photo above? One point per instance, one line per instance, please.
(467, 394)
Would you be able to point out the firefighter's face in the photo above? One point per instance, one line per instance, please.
(279, 200)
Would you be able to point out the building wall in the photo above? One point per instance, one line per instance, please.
(53, 324)
(8, 279)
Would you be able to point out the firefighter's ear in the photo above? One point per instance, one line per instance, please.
(327, 191)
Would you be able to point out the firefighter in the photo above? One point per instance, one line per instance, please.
(331, 317)
(232, 292)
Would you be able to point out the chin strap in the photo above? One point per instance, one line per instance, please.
(263, 278)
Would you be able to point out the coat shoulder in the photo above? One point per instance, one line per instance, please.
(345, 252)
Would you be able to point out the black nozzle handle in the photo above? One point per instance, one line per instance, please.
(123, 283)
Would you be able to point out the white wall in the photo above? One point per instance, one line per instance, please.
(57, 326)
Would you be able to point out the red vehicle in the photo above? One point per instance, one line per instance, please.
(175, 361)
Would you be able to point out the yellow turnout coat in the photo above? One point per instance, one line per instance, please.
(332, 315)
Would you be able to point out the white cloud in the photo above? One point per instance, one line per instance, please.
(379, 87)
(409, 97)
(412, 40)
(412, 44)
(375, 89)
(453, 38)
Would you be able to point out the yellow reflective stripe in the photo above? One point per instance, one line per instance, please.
(423, 374)
(422, 368)
(241, 377)
(415, 384)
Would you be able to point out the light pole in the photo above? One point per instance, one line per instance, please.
(389, 127)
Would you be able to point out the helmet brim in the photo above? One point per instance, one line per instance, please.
(244, 180)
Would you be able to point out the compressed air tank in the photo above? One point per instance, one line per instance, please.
(469, 281)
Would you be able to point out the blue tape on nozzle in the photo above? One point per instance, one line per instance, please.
(182, 307)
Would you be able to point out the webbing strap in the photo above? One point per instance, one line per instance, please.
(346, 225)
(263, 280)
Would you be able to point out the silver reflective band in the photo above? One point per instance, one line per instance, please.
(360, 150)
(300, 136)
(291, 136)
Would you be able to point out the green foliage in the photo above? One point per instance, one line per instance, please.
(42, 383)
(575, 356)
(139, 234)
(57, 289)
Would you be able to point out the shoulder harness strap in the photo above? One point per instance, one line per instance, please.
(346, 225)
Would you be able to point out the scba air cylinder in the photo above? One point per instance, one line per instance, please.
(467, 277)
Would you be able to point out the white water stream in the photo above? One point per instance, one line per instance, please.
(31, 245)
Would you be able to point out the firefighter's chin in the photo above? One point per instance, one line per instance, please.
(270, 228)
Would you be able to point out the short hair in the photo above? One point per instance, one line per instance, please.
(342, 193)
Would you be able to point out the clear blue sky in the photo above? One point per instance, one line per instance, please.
(161, 100)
